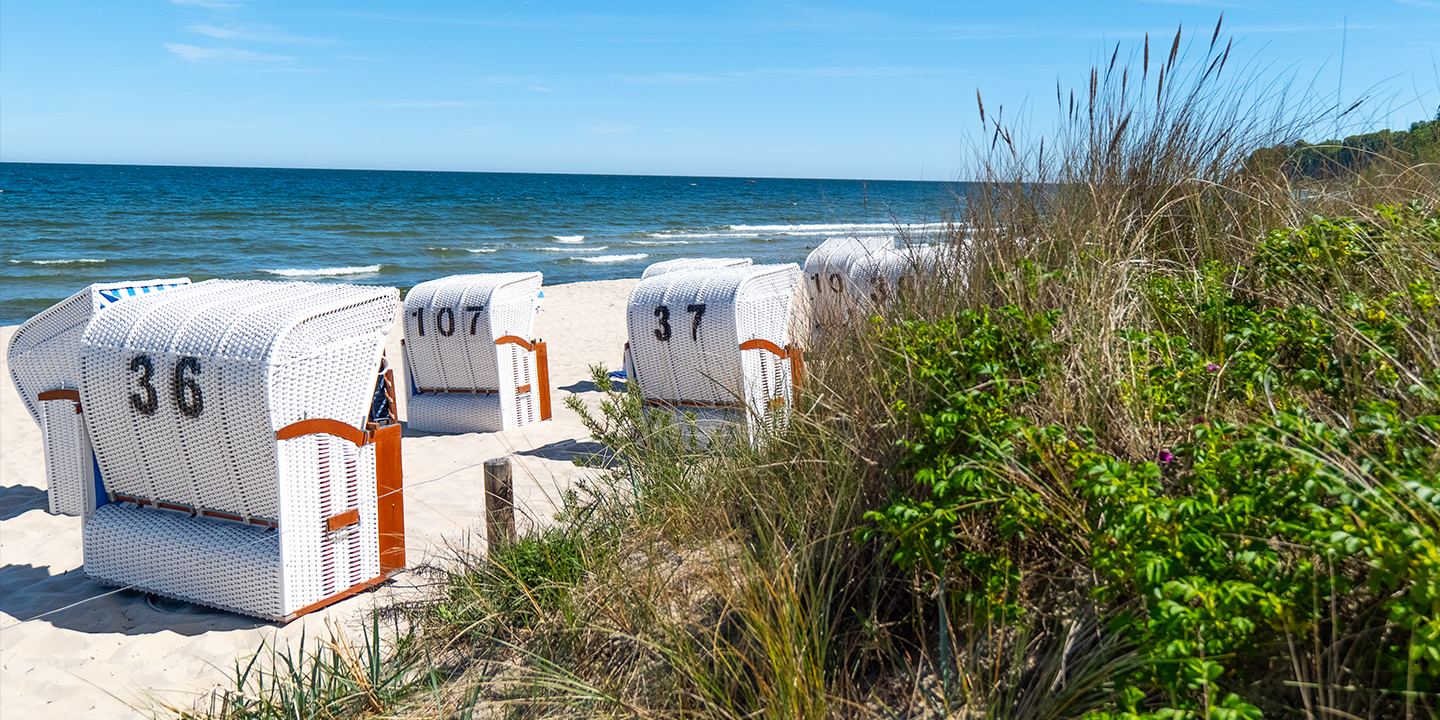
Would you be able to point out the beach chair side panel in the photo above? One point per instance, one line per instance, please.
(43, 355)
(763, 313)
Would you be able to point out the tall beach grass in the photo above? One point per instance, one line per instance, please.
(1158, 440)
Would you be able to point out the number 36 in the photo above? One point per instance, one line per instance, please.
(184, 389)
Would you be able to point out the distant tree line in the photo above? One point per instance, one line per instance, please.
(1356, 154)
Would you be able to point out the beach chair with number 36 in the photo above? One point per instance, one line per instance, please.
(232, 427)
(473, 364)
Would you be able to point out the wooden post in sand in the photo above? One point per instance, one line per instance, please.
(499, 503)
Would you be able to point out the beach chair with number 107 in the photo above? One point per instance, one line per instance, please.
(473, 364)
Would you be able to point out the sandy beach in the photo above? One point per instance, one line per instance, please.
(71, 647)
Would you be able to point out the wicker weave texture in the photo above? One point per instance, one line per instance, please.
(847, 279)
(829, 280)
(44, 354)
(44, 351)
(665, 266)
(69, 462)
(214, 562)
(461, 380)
(183, 395)
(686, 327)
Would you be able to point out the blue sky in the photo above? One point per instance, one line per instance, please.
(834, 89)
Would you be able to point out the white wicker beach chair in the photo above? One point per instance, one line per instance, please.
(880, 277)
(468, 349)
(715, 341)
(44, 357)
(829, 281)
(229, 423)
(665, 266)
(847, 279)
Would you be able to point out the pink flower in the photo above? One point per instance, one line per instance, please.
(1212, 367)
(1165, 456)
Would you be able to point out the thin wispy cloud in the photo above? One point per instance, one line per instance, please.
(212, 4)
(421, 104)
(860, 71)
(538, 88)
(262, 34)
(1421, 3)
(669, 78)
(609, 129)
(195, 53)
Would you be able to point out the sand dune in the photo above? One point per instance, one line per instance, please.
(69, 645)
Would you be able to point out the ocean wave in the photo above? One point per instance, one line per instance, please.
(299, 272)
(482, 250)
(661, 242)
(597, 248)
(612, 258)
(802, 230)
(569, 239)
(73, 261)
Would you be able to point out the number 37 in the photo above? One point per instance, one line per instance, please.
(662, 313)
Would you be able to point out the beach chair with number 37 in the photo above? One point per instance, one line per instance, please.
(716, 342)
(473, 364)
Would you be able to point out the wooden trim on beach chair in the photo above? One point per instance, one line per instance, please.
(517, 340)
(390, 498)
(794, 353)
(323, 426)
(542, 378)
(61, 394)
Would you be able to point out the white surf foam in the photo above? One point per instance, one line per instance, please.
(76, 261)
(597, 248)
(482, 250)
(304, 272)
(612, 258)
(569, 239)
(806, 230)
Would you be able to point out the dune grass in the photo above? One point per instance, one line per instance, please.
(1159, 440)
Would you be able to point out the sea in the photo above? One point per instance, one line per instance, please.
(63, 227)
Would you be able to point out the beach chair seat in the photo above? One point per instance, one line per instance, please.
(665, 266)
(232, 427)
(472, 362)
(44, 357)
(716, 341)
